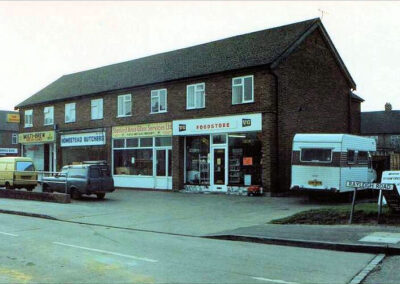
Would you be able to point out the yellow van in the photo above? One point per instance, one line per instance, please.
(17, 172)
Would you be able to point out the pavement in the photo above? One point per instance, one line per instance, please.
(238, 218)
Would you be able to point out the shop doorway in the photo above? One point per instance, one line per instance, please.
(219, 157)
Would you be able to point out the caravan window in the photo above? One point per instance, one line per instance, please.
(316, 155)
(351, 157)
(362, 157)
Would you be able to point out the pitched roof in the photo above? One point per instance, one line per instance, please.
(242, 51)
(357, 98)
(380, 122)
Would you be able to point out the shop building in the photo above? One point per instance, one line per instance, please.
(9, 127)
(217, 117)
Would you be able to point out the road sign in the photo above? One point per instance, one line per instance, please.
(370, 185)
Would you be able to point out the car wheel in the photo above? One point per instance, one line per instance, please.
(75, 194)
(8, 186)
(29, 188)
(100, 195)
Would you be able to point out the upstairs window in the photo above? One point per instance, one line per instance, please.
(195, 96)
(14, 138)
(97, 109)
(242, 90)
(28, 118)
(159, 101)
(124, 105)
(70, 113)
(48, 115)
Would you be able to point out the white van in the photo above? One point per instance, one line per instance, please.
(324, 162)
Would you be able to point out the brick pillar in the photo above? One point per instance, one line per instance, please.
(269, 153)
(177, 162)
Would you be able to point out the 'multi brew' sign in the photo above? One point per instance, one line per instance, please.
(370, 185)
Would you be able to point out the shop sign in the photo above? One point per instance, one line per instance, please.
(13, 117)
(8, 151)
(148, 129)
(222, 124)
(36, 137)
(83, 139)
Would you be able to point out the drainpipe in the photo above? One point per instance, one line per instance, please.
(276, 125)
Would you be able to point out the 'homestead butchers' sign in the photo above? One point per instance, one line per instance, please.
(83, 139)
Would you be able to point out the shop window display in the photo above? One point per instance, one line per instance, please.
(197, 160)
(244, 159)
(133, 162)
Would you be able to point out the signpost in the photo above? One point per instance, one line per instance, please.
(368, 185)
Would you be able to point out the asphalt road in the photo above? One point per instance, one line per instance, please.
(38, 250)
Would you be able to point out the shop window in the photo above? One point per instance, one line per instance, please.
(159, 101)
(70, 112)
(195, 96)
(219, 139)
(133, 162)
(242, 90)
(197, 160)
(28, 118)
(163, 141)
(133, 142)
(146, 142)
(124, 105)
(97, 109)
(119, 143)
(14, 138)
(351, 157)
(161, 166)
(244, 159)
(48, 115)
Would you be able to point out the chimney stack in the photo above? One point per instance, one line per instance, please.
(388, 107)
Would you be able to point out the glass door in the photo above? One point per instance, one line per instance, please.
(219, 166)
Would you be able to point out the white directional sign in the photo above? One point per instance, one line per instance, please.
(370, 185)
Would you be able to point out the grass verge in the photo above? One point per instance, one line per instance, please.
(364, 213)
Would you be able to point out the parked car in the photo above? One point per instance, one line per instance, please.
(17, 172)
(81, 179)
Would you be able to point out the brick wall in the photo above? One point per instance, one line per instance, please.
(313, 98)
(355, 117)
(6, 139)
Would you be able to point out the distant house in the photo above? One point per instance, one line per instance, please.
(384, 126)
(9, 126)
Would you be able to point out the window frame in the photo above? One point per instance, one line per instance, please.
(92, 105)
(124, 101)
(316, 161)
(195, 95)
(69, 109)
(242, 78)
(28, 112)
(157, 95)
(14, 137)
(355, 157)
(52, 115)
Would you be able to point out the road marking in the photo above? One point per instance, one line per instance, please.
(273, 280)
(8, 234)
(108, 252)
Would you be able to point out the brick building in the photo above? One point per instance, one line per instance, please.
(218, 116)
(9, 127)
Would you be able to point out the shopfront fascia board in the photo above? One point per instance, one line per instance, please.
(8, 151)
(37, 137)
(142, 130)
(221, 124)
(83, 139)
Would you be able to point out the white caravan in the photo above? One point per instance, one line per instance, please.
(324, 162)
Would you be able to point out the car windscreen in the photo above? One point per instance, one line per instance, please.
(318, 155)
(25, 166)
(77, 173)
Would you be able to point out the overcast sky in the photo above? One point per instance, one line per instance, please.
(41, 41)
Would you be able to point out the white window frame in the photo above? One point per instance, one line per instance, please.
(28, 113)
(96, 104)
(14, 138)
(50, 111)
(241, 78)
(156, 94)
(122, 112)
(196, 93)
(69, 109)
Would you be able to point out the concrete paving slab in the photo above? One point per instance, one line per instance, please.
(382, 237)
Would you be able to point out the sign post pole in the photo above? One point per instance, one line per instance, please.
(380, 205)
(352, 205)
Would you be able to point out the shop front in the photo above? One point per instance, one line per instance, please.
(41, 147)
(79, 147)
(221, 153)
(142, 154)
(8, 152)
